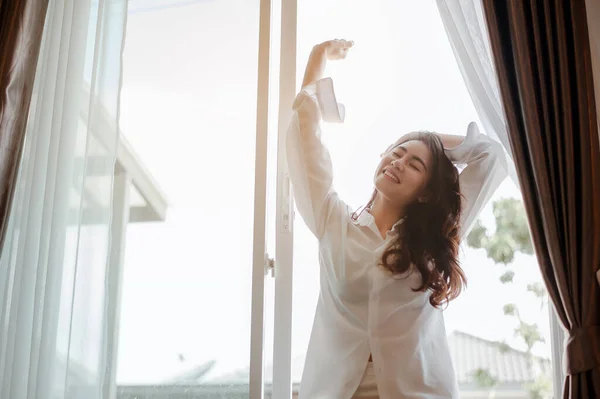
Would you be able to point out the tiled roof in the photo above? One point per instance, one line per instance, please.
(469, 353)
(505, 364)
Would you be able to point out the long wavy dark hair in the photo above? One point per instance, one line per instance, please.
(429, 238)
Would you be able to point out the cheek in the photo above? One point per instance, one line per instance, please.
(380, 166)
(417, 181)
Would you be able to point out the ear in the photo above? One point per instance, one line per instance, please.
(425, 197)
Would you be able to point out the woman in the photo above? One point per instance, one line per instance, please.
(385, 272)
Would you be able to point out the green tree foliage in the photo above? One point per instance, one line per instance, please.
(511, 235)
(485, 380)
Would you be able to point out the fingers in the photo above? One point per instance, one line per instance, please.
(336, 44)
(341, 43)
(337, 49)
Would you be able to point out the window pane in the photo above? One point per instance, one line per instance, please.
(402, 76)
(189, 112)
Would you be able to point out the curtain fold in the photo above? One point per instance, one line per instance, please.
(542, 57)
(54, 292)
(593, 19)
(21, 26)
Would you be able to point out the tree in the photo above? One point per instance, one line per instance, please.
(484, 379)
(512, 236)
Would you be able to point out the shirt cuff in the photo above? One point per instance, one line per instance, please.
(322, 90)
(461, 151)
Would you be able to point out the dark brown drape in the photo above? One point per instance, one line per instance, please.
(21, 27)
(542, 57)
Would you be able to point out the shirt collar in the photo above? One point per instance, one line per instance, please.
(365, 219)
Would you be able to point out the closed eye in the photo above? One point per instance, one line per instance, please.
(414, 157)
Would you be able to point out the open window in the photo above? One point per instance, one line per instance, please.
(206, 101)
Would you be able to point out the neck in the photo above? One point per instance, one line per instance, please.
(385, 214)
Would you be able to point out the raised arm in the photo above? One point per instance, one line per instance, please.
(309, 162)
(485, 170)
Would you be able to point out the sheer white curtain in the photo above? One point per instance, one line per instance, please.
(54, 264)
(467, 32)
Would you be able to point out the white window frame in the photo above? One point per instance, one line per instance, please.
(282, 343)
(260, 259)
(284, 213)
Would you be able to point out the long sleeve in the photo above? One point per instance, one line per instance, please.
(486, 169)
(309, 162)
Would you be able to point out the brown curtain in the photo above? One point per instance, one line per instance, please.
(21, 27)
(542, 57)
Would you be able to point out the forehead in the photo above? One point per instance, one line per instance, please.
(416, 148)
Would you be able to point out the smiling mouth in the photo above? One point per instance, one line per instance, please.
(390, 176)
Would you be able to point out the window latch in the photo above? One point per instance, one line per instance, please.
(269, 265)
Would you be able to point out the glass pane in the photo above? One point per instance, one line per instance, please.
(189, 113)
(402, 76)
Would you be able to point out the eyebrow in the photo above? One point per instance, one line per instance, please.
(413, 156)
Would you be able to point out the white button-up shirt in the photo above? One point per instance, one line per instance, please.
(362, 309)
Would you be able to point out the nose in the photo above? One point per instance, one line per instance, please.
(398, 164)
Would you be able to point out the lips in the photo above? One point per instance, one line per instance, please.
(391, 176)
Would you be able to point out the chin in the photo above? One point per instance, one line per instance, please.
(393, 192)
(386, 188)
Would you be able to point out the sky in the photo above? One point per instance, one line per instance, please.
(188, 108)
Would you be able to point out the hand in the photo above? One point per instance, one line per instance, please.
(334, 49)
(321, 53)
